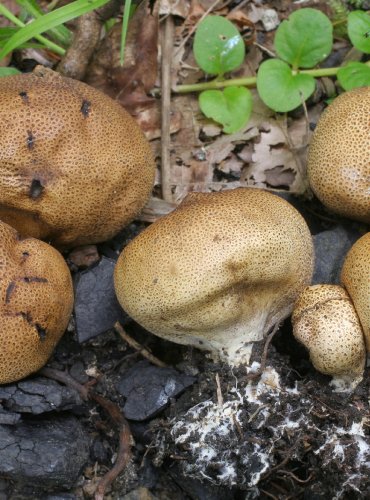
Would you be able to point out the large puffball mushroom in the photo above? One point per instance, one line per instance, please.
(339, 156)
(355, 277)
(36, 303)
(74, 165)
(218, 272)
(325, 322)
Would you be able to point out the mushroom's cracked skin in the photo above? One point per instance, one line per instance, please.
(339, 156)
(218, 272)
(355, 277)
(74, 166)
(36, 303)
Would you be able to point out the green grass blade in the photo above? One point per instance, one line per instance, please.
(45, 42)
(49, 21)
(126, 16)
(60, 33)
(8, 71)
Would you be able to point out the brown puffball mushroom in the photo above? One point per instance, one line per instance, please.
(74, 165)
(218, 272)
(355, 277)
(36, 303)
(339, 156)
(325, 322)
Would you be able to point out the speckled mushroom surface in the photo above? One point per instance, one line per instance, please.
(355, 277)
(218, 272)
(74, 165)
(339, 156)
(325, 322)
(36, 303)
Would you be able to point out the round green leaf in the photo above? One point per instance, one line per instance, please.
(231, 107)
(280, 89)
(305, 38)
(359, 30)
(354, 75)
(218, 46)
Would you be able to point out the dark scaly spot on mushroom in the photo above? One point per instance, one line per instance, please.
(34, 279)
(26, 316)
(85, 108)
(9, 291)
(25, 97)
(36, 189)
(40, 331)
(30, 140)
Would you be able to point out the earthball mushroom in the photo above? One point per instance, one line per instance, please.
(339, 156)
(325, 322)
(74, 165)
(218, 272)
(355, 277)
(36, 303)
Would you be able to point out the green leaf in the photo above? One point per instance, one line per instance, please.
(280, 88)
(305, 38)
(49, 21)
(359, 30)
(6, 71)
(231, 107)
(60, 33)
(354, 75)
(218, 46)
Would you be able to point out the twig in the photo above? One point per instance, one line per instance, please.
(284, 461)
(124, 450)
(85, 40)
(220, 399)
(301, 481)
(167, 46)
(125, 438)
(144, 352)
(66, 379)
(269, 494)
(258, 373)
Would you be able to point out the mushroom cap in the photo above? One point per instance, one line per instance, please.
(339, 156)
(218, 272)
(36, 303)
(355, 277)
(74, 165)
(325, 322)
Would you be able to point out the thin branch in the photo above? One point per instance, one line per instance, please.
(167, 46)
(144, 352)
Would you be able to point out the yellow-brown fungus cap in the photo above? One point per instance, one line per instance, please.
(74, 165)
(218, 272)
(326, 323)
(339, 156)
(355, 277)
(36, 303)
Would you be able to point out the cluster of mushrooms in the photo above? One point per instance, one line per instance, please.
(218, 272)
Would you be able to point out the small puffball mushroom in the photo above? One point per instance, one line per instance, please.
(355, 277)
(218, 272)
(325, 322)
(339, 156)
(74, 166)
(36, 303)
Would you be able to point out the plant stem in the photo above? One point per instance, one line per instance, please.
(216, 84)
(50, 45)
(250, 81)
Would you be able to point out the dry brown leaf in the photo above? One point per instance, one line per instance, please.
(130, 83)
